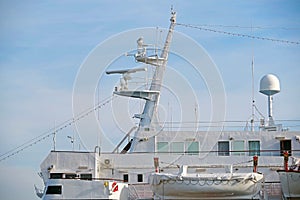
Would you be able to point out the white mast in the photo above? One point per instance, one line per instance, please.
(253, 100)
(150, 108)
(148, 118)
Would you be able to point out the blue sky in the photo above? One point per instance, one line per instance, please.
(44, 43)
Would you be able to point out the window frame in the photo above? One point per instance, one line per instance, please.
(86, 176)
(254, 152)
(189, 147)
(175, 150)
(56, 175)
(286, 145)
(164, 149)
(224, 153)
(52, 191)
(140, 178)
(238, 152)
(125, 178)
(71, 176)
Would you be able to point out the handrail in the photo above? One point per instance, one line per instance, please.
(134, 193)
(126, 136)
(99, 149)
(263, 152)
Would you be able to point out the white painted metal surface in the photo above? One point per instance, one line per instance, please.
(290, 184)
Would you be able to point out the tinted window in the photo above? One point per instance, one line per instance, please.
(70, 176)
(193, 148)
(125, 178)
(162, 147)
(223, 148)
(254, 148)
(86, 176)
(177, 147)
(54, 189)
(140, 177)
(56, 175)
(238, 147)
(285, 145)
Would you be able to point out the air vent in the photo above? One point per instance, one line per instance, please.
(107, 163)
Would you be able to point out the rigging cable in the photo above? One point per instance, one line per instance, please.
(54, 130)
(238, 34)
(250, 27)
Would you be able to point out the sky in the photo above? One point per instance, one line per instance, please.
(45, 47)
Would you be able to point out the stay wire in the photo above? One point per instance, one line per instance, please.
(238, 34)
(249, 27)
(52, 131)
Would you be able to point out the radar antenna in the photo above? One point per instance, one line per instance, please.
(269, 86)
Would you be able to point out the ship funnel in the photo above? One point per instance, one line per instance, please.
(270, 85)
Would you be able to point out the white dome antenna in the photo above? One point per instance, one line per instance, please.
(270, 85)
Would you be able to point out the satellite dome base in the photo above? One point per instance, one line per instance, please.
(269, 86)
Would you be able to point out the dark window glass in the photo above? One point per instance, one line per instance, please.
(125, 178)
(56, 176)
(140, 177)
(70, 176)
(54, 189)
(86, 176)
(285, 145)
(223, 148)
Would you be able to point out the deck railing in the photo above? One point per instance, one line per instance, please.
(140, 191)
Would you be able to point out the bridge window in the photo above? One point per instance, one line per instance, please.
(125, 178)
(56, 175)
(177, 147)
(54, 189)
(223, 148)
(162, 147)
(140, 178)
(285, 145)
(254, 148)
(238, 147)
(70, 176)
(193, 148)
(86, 176)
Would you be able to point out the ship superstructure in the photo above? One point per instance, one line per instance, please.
(123, 173)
